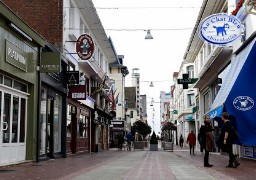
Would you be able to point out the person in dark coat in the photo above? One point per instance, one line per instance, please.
(207, 139)
(191, 140)
(228, 138)
(181, 141)
(120, 141)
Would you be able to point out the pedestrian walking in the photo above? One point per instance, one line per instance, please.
(181, 141)
(129, 138)
(191, 140)
(120, 141)
(226, 139)
(206, 133)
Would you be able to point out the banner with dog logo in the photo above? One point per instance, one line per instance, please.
(220, 29)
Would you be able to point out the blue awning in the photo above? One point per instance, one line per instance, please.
(237, 94)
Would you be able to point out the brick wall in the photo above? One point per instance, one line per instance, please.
(44, 16)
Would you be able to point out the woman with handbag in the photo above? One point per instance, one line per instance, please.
(207, 139)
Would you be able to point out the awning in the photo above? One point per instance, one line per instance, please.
(237, 94)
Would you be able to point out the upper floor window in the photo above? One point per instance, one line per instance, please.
(191, 100)
(207, 102)
(72, 16)
(201, 56)
(190, 71)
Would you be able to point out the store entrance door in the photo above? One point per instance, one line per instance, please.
(12, 126)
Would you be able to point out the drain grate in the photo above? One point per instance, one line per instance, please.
(6, 170)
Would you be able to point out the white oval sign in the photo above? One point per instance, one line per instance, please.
(220, 29)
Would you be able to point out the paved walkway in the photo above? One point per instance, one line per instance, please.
(136, 165)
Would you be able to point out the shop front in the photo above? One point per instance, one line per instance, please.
(19, 56)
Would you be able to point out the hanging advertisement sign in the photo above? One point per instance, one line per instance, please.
(77, 92)
(220, 29)
(72, 77)
(85, 47)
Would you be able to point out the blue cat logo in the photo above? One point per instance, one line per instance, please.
(243, 103)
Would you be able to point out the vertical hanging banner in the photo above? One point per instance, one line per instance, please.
(84, 47)
(220, 29)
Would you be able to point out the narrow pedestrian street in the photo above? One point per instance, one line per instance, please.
(137, 165)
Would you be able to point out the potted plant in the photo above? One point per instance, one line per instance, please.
(153, 142)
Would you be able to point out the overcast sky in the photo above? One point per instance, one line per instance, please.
(171, 23)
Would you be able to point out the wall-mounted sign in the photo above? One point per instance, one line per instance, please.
(77, 92)
(85, 47)
(72, 77)
(16, 56)
(50, 62)
(220, 29)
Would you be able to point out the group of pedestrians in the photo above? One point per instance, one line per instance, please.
(121, 140)
(207, 143)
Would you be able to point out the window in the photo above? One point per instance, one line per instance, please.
(71, 16)
(201, 58)
(190, 71)
(131, 114)
(69, 112)
(82, 126)
(191, 100)
(207, 102)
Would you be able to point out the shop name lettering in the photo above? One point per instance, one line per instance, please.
(18, 57)
(185, 80)
(219, 19)
(78, 95)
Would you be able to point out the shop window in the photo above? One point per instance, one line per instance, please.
(82, 126)
(15, 118)
(22, 119)
(131, 114)
(57, 123)
(43, 123)
(7, 81)
(19, 86)
(69, 112)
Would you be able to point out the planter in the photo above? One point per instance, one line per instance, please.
(139, 144)
(153, 147)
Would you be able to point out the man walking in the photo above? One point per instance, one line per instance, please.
(129, 138)
(191, 140)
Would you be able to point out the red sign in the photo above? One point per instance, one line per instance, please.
(84, 47)
(77, 92)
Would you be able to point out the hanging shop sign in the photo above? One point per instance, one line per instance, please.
(220, 29)
(50, 62)
(85, 47)
(72, 77)
(77, 92)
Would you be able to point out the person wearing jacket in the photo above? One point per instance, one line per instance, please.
(206, 132)
(191, 140)
(227, 138)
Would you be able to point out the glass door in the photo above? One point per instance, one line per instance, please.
(50, 115)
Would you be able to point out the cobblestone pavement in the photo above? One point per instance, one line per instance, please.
(137, 165)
